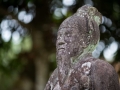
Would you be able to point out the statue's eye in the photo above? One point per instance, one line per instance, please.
(68, 34)
(68, 37)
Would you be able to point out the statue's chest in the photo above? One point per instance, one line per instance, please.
(78, 77)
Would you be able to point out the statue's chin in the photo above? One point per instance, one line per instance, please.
(61, 51)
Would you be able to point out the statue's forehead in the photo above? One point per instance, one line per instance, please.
(64, 29)
(68, 29)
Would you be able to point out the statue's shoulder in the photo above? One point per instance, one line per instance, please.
(98, 63)
(101, 64)
(104, 75)
(100, 74)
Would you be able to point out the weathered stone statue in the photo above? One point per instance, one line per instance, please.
(76, 69)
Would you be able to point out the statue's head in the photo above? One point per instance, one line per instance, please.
(79, 33)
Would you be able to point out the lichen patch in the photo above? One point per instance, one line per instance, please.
(86, 67)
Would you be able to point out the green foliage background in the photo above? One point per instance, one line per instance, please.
(37, 37)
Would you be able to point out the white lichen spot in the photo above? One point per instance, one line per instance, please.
(85, 13)
(61, 70)
(87, 64)
(69, 25)
(91, 27)
(87, 71)
(57, 87)
(51, 88)
(97, 19)
(75, 80)
(68, 35)
(86, 67)
(71, 70)
(48, 82)
(68, 52)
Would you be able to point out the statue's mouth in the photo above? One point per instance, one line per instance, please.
(61, 49)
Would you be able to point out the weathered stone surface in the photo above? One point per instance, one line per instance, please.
(76, 69)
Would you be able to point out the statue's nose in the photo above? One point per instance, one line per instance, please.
(61, 41)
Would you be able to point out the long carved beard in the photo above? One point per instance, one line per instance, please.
(63, 61)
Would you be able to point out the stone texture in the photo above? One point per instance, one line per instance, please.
(76, 69)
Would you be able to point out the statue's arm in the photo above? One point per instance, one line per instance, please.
(53, 80)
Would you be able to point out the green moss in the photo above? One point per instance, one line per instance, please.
(97, 19)
(87, 50)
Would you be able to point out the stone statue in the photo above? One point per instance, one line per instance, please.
(76, 69)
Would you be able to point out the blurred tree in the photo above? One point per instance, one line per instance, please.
(28, 34)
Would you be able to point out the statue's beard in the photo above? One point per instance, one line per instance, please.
(64, 65)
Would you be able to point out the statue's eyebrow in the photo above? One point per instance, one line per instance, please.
(68, 30)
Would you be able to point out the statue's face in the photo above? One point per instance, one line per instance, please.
(68, 41)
